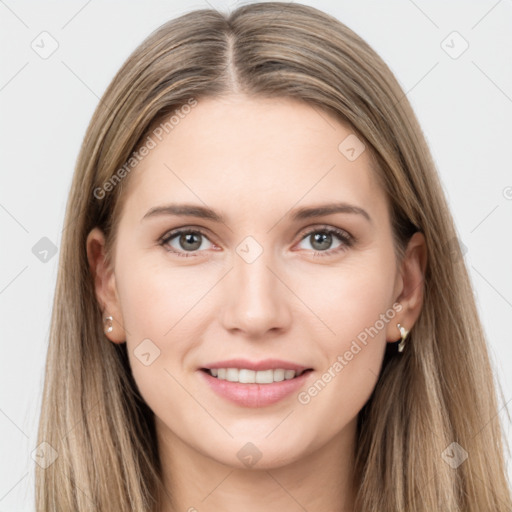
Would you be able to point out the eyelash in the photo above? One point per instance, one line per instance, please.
(346, 239)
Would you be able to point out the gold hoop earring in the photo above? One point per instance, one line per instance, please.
(108, 321)
(403, 333)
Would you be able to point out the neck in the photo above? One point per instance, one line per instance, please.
(317, 481)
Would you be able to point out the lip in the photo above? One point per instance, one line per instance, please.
(255, 395)
(266, 364)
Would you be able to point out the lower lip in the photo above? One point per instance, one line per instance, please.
(255, 395)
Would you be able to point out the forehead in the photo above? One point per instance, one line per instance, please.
(247, 154)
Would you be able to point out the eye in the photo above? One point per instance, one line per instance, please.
(321, 240)
(183, 241)
(188, 242)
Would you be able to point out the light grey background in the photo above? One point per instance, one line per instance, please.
(464, 105)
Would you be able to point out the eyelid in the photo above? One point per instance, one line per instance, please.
(190, 228)
(324, 227)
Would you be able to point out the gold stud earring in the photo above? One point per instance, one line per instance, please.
(108, 321)
(403, 333)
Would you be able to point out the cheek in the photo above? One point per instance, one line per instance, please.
(350, 297)
(154, 310)
(156, 297)
(357, 314)
(160, 306)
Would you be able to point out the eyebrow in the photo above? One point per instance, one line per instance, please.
(190, 210)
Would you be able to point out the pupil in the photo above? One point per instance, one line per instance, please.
(188, 238)
(322, 238)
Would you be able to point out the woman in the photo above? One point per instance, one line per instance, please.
(262, 303)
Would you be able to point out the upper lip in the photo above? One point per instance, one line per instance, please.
(265, 364)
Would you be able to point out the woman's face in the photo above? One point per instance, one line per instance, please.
(256, 281)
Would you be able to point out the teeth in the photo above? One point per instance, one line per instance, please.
(279, 375)
(264, 377)
(232, 374)
(289, 374)
(247, 376)
(253, 377)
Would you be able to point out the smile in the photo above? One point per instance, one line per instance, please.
(246, 376)
(255, 384)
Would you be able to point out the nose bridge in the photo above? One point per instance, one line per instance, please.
(256, 299)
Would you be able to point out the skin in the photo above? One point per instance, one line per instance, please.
(254, 161)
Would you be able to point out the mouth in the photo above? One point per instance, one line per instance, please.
(248, 376)
(255, 384)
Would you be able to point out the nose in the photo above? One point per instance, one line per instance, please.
(257, 298)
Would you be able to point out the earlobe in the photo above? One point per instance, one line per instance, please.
(412, 275)
(105, 286)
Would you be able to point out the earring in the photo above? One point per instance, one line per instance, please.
(403, 333)
(108, 324)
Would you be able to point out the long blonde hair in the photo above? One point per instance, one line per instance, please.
(440, 391)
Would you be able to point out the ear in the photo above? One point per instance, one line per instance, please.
(410, 280)
(105, 284)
